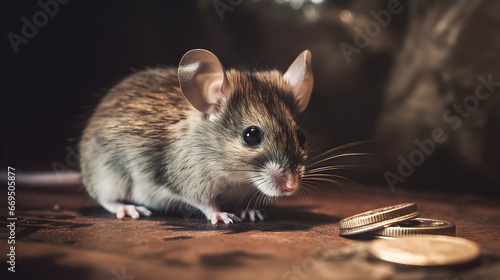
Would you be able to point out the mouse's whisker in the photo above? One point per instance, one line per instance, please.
(242, 198)
(194, 210)
(299, 194)
(303, 193)
(336, 167)
(243, 181)
(339, 181)
(323, 191)
(240, 181)
(315, 189)
(330, 158)
(247, 191)
(265, 201)
(258, 202)
(343, 147)
(250, 201)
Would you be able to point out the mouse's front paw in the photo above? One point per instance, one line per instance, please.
(132, 210)
(225, 217)
(251, 214)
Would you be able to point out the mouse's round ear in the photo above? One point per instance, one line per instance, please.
(203, 80)
(299, 75)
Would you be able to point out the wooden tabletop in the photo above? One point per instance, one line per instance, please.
(63, 234)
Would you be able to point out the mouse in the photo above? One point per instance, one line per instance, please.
(198, 135)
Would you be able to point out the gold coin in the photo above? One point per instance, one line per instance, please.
(425, 250)
(378, 218)
(418, 226)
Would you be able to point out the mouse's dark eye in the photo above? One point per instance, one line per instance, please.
(301, 137)
(252, 136)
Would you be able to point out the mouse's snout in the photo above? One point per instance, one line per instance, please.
(286, 183)
(291, 185)
(276, 180)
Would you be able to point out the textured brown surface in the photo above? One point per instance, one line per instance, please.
(62, 234)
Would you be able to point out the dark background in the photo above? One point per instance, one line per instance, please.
(49, 88)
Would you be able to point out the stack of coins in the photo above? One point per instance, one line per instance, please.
(410, 240)
(394, 221)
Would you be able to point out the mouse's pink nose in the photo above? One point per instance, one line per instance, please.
(286, 183)
(290, 186)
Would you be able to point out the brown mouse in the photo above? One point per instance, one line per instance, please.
(166, 137)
